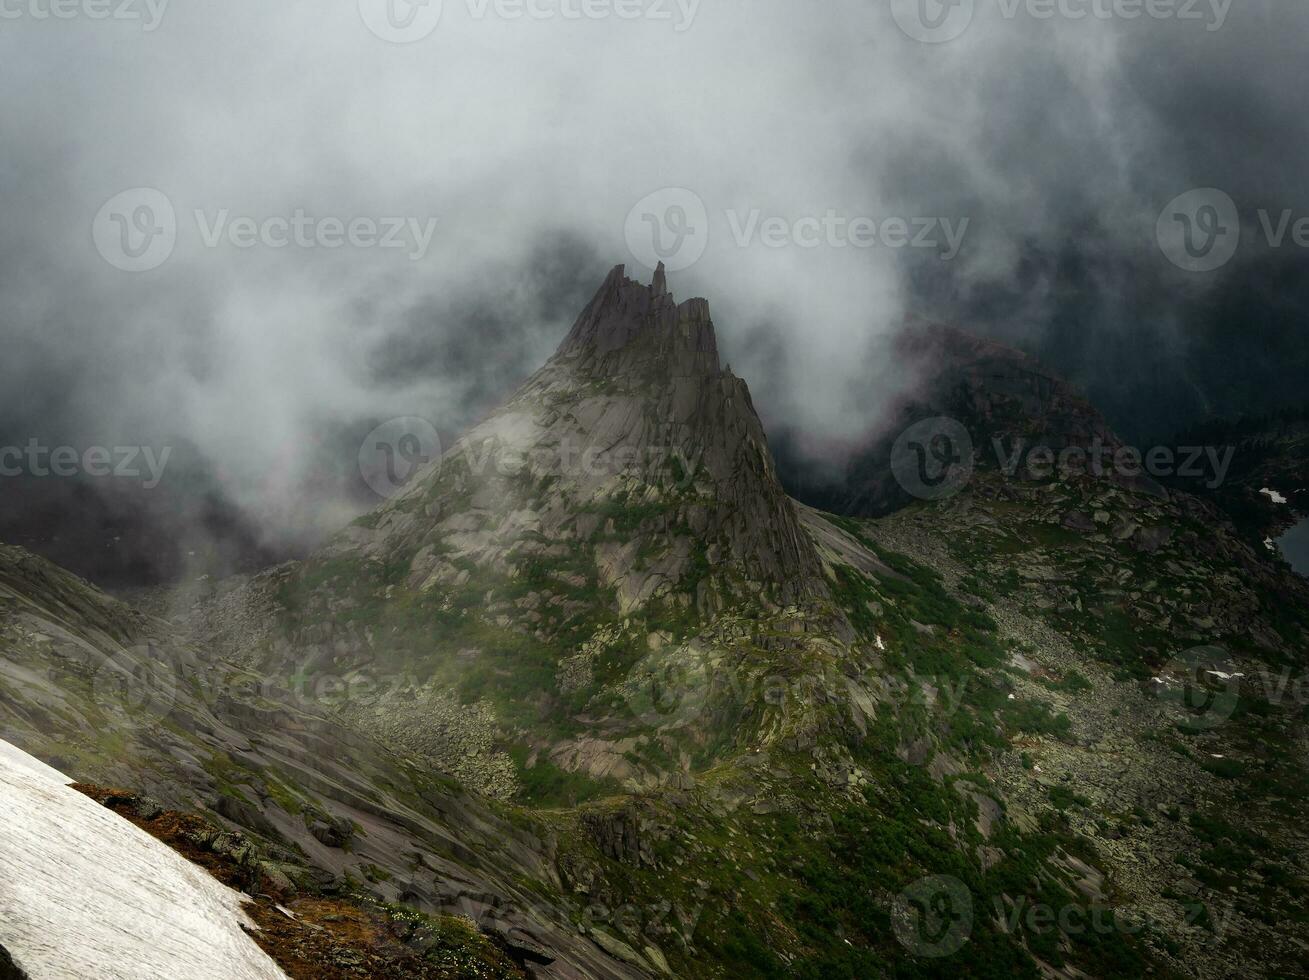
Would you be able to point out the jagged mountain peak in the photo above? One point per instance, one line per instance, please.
(632, 423)
(629, 326)
(617, 510)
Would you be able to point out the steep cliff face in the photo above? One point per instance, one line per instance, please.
(668, 393)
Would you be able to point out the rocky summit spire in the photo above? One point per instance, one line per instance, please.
(629, 326)
(660, 284)
(676, 465)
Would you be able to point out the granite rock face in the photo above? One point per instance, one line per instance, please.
(634, 424)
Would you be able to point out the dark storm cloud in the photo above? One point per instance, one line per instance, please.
(510, 153)
(1064, 261)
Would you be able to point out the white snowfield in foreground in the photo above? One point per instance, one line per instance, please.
(84, 893)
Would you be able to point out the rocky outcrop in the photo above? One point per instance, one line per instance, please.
(622, 835)
(629, 329)
(1006, 400)
(1000, 389)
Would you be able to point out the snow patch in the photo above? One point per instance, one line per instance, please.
(11, 757)
(85, 893)
(1273, 495)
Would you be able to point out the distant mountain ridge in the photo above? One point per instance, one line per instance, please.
(999, 395)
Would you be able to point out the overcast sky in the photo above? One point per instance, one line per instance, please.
(520, 157)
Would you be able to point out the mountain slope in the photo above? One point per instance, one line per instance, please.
(592, 679)
(117, 698)
(1166, 734)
